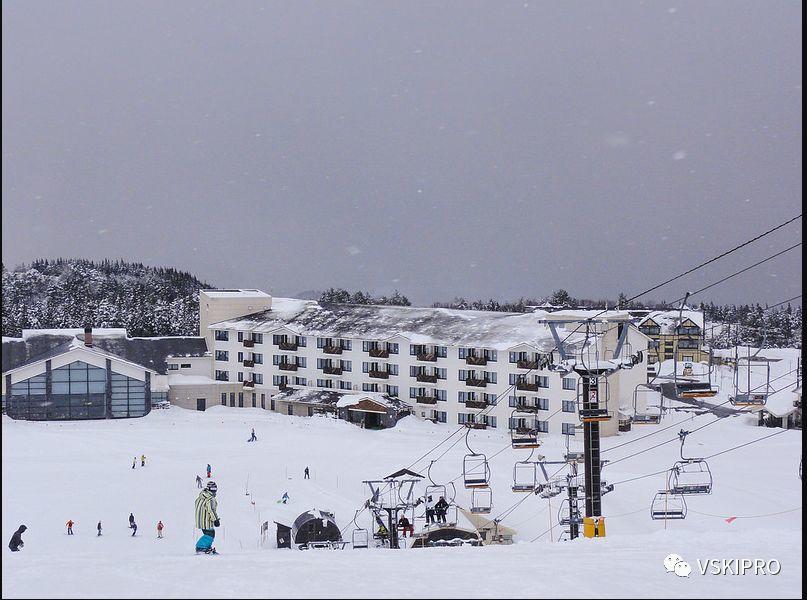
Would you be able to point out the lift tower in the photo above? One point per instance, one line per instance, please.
(582, 346)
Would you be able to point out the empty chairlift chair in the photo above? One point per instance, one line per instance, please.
(525, 476)
(475, 468)
(648, 405)
(689, 476)
(481, 501)
(668, 506)
(360, 539)
(747, 392)
(523, 432)
(593, 407)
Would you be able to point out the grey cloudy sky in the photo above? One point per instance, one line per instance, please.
(442, 148)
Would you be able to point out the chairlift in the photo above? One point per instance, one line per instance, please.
(567, 515)
(593, 407)
(668, 505)
(360, 539)
(689, 476)
(481, 501)
(693, 386)
(648, 404)
(523, 433)
(744, 394)
(475, 468)
(525, 476)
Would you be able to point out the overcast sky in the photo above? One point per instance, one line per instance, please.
(486, 149)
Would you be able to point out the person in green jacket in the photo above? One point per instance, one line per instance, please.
(207, 518)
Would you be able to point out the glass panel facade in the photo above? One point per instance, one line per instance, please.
(77, 391)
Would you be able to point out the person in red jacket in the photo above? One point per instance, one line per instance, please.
(159, 529)
(70, 527)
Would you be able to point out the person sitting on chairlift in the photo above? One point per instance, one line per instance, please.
(441, 508)
(405, 525)
(429, 510)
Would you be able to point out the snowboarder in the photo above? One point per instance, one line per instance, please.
(208, 470)
(441, 508)
(16, 540)
(207, 518)
(429, 510)
(133, 525)
(159, 529)
(306, 474)
(69, 527)
(99, 528)
(143, 460)
(284, 498)
(199, 482)
(405, 525)
(253, 437)
(134, 462)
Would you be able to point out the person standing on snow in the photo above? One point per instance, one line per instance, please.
(16, 540)
(305, 474)
(285, 498)
(159, 529)
(207, 518)
(208, 470)
(70, 527)
(99, 528)
(199, 482)
(143, 460)
(253, 437)
(132, 524)
(134, 462)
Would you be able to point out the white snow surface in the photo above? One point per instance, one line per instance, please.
(53, 472)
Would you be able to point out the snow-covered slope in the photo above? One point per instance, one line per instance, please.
(53, 472)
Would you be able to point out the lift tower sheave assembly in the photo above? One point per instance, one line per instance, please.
(593, 363)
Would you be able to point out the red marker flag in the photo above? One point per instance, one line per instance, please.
(730, 519)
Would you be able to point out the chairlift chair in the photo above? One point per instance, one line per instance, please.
(565, 516)
(668, 505)
(522, 435)
(689, 476)
(525, 476)
(481, 501)
(746, 395)
(475, 468)
(360, 539)
(652, 413)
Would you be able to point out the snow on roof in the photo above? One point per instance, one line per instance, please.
(235, 293)
(585, 314)
(190, 380)
(72, 331)
(483, 329)
(668, 319)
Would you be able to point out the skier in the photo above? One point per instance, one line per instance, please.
(99, 528)
(199, 482)
(69, 527)
(441, 508)
(306, 474)
(253, 437)
(208, 470)
(207, 518)
(133, 525)
(143, 460)
(405, 525)
(429, 510)
(134, 462)
(159, 529)
(16, 540)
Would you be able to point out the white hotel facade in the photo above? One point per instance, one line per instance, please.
(450, 366)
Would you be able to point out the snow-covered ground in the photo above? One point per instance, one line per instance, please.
(53, 472)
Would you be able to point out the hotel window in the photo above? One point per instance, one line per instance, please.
(173, 367)
(240, 399)
(344, 385)
(392, 390)
(240, 376)
(542, 381)
(232, 399)
(441, 416)
(222, 355)
(300, 381)
(253, 399)
(224, 398)
(346, 365)
(258, 358)
(567, 428)
(568, 383)
(542, 426)
(442, 395)
(240, 336)
(222, 375)
(185, 366)
(542, 403)
(222, 335)
(240, 357)
(568, 406)
(257, 378)
(257, 338)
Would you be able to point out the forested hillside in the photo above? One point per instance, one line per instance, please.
(147, 301)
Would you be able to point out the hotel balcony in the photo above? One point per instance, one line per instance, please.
(426, 399)
(249, 343)
(426, 378)
(287, 346)
(474, 382)
(379, 374)
(332, 349)
(332, 370)
(248, 364)
(527, 387)
(476, 404)
(249, 384)
(527, 364)
(378, 353)
(476, 360)
(287, 366)
(427, 356)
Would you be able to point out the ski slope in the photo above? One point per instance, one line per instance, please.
(53, 472)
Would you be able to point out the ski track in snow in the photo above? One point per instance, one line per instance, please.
(82, 471)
